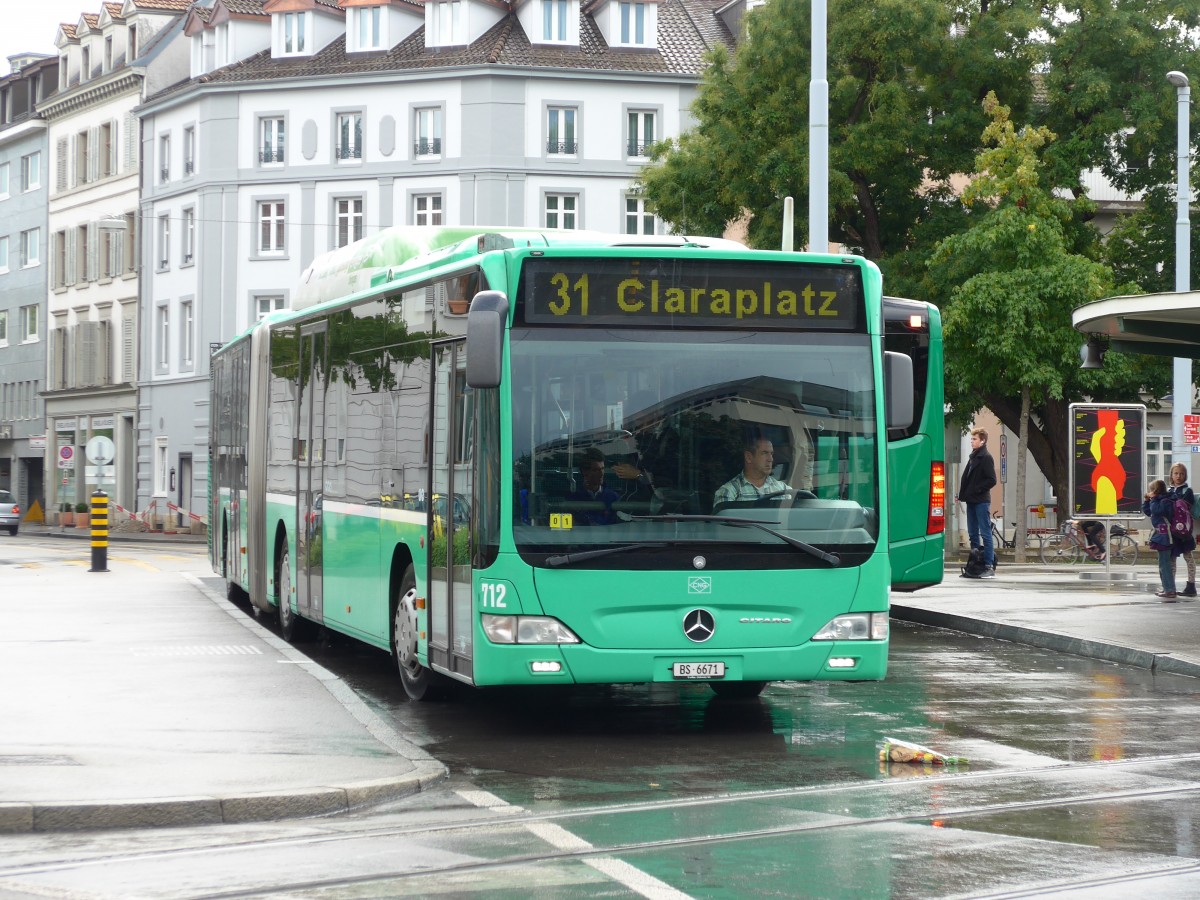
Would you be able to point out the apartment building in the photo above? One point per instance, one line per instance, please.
(307, 124)
(107, 62)
(23, 191)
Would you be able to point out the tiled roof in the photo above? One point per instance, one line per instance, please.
(243, 7)
(163, 5)
(114, 9)
(92, 20)
(68, 29)
(687, 30)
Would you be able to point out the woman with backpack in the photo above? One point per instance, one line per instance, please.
(1158, 506)
(1183, 542)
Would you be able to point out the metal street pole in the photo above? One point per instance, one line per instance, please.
(818, 137)
(1181, 401)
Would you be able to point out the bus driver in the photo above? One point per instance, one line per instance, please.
(755, 480)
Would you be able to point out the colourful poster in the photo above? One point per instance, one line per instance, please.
(1108, 459)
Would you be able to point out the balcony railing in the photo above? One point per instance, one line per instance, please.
(349, 152)
(428, 147)
(562, 148)
(638, 148)
(268, 155)
(164, 175)
(189, 166)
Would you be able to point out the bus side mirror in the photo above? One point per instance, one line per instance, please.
(898, 385)
(485, 338)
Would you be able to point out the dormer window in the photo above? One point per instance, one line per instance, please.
(292, 33)
(108, 53)
(365, 28)
(633, 23)
(554, 20)
(85, 68)
(443, 23)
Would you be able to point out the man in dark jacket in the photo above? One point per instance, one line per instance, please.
(975, 490)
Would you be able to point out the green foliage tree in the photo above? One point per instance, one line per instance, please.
(1011, 280)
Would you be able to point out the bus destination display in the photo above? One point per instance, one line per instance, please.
(703, 293)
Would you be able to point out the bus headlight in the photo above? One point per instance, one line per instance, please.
(855, 627)
(526, 630)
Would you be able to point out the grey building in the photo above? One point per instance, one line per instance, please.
(23, 192)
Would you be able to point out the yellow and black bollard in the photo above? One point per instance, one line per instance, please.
(99, 532)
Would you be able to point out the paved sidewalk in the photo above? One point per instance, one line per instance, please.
(1063, 609)
(142, 697)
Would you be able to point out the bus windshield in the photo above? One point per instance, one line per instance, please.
(654, 442)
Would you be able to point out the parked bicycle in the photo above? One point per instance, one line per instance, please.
(998, 538)
(1070, 545)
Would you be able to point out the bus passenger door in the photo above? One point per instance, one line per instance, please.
(449, 593)
(311, 470)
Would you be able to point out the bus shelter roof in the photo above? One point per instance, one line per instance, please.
(1166, 324)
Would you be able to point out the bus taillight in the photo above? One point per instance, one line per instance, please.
(937, 499)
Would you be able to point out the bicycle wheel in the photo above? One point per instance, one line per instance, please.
(1052, 549)
(1124, 550)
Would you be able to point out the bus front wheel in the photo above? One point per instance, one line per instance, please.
(291, 625)
(419, 682)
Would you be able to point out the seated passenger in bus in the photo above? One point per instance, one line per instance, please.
(756, 480)
(592, 491)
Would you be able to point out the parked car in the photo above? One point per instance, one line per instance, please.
(10, 512)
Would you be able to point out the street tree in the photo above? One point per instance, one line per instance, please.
(1011, 281)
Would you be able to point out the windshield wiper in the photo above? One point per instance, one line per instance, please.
(566, 559)
(832, 558)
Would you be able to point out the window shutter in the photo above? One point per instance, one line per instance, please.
(93, 156)
(128, 349)
(70, 274)
(93, 252)
(131, 142)
(63, 149)
(57, 375)
(85, 354)
(103, 354)
(112, 147)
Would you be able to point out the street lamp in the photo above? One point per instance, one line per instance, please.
(818, 135)
(1182, 373)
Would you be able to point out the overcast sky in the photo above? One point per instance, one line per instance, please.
(30, 25)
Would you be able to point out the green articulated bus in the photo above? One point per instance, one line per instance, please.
(518, 457)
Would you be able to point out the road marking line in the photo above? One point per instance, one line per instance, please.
(558, 837)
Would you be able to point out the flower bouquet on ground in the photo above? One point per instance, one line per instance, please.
(898, 751)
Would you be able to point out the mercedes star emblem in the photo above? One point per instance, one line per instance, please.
(699, 625)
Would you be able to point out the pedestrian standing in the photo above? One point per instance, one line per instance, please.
(975, 490)
(1157, 505)
(1185, 544)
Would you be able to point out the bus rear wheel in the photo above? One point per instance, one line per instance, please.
(291, 625)
(419, 682)
(737, 690)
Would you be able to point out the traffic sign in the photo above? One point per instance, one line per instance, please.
(100, 474)
(100, 450)
(1191, 429)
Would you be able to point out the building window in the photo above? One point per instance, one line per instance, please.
(442, 22)
(164, 242)
(3, 327)
(161, 469)
(348, 212)
(638, 220)
(189, 150)
(31, 248)
(3, 254)
(108, 253)
(31, 172)
(107, 162)
(29, 323)
(270, 140)
(294, 27)
(641, 132)
(58, 247)
(85, 67)
(561, 211)
(633, 23)
(270, 228)
(554, 20)
(187, 334)
(428, 128)
(427, 209)
(4, 181)
(164, 158)
(163, 344)
(189, 235)
(366, 28)
(349, 136)
(265, 304)
(560, 139)
(1158, 456)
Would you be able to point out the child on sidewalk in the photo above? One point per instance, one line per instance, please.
(1179, 490)
(1157, 505)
